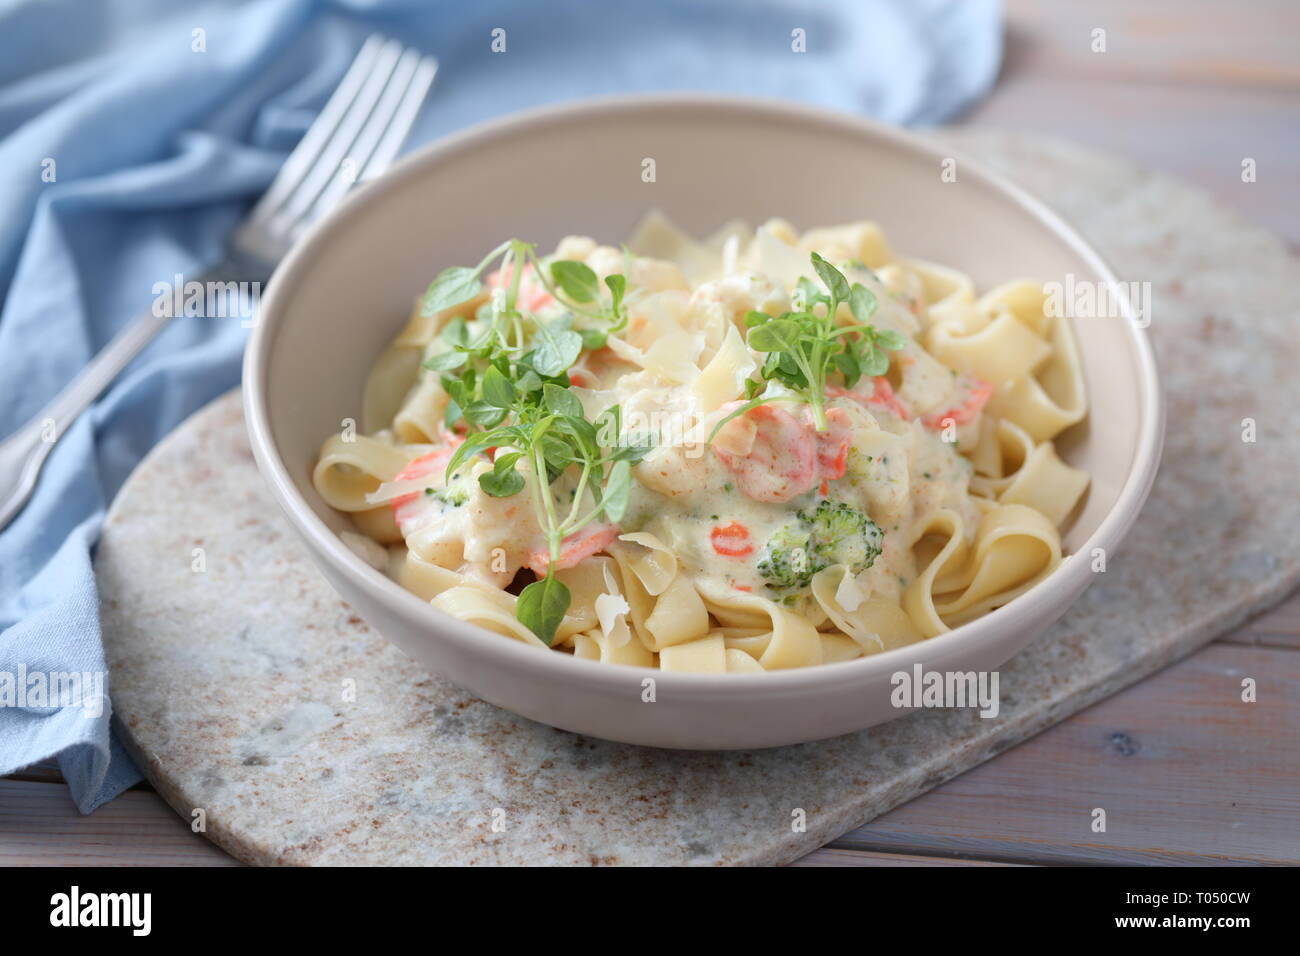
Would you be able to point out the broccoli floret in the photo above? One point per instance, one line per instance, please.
(832, 533)
(841, 534)
(785, 561)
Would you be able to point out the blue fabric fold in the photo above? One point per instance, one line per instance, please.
(127, 154)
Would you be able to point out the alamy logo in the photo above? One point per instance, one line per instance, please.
(1085, 299)
(212, 300)
(75, 908)
(53, 689)
(946, 689)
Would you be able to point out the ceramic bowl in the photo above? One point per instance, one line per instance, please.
(347, 288)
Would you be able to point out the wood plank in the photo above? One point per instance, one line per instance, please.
(1186, 772)
(1190, 87)
(1279, 628)
(40, 826)
(1200, 135)
(1169, 41)
(47, 771)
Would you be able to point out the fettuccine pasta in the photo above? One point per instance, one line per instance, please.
(759, 451)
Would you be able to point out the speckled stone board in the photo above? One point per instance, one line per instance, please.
(230, 684)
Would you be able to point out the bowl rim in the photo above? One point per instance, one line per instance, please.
(1072, 576)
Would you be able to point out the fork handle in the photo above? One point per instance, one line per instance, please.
(23, 453)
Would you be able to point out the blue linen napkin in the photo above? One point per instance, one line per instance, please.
(134, 133)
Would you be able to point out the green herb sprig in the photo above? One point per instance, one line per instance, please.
(511, 390)
(804, 347)
(514, 343)
(574, 285)
(549, 438)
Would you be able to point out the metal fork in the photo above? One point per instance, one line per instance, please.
(355, 137)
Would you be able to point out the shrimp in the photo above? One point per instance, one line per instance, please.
(977, 395)
(788, 456)
(882, 396)
(574, 549)
(532, 297)
(780, 464)
(832, 446)
(414, 510)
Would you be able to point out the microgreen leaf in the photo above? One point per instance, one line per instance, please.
(504, 479)
(889, 339)
(455, 332)
(557, 350)
(633, 447)
(832, 278)
(561, 401)
(617, 285)
(874, 362)
(862, 302)
(581, 431)
(444, 361)
(454, 387)
(541, 607)
(617, 489)
(557, 452)
(528, 383)
(476, 441)
(774, 335)
(497, 389)
(848, 366)
(609, 425)
(452, 287)
(451, 413)
(807, 294)
(576, 280)
(484, 413)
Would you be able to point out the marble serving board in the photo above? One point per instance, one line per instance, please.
(248, 690)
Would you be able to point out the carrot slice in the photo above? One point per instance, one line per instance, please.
(731, 541)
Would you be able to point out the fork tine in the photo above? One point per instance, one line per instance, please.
(361, 129)
(367, 140)
(336, 150)
(318, 134)
(403, 119)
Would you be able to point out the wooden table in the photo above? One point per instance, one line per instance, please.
(1192, 87)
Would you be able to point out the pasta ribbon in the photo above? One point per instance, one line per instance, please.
(1015, 547)
(794, 640)
(874, 625)
(348, 469)
(1052, 399)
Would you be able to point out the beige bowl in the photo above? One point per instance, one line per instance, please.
(346, 289)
